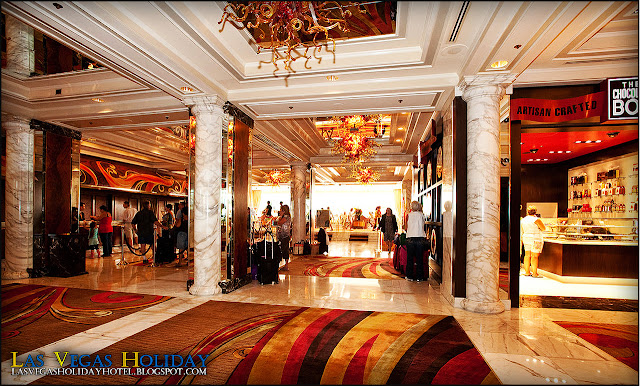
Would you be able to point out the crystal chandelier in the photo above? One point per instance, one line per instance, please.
(293, 26)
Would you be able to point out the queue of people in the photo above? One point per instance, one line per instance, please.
(138, 229)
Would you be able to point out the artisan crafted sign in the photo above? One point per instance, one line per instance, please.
(617, 100)
(560, 110)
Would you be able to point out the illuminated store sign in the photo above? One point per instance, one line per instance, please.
(617, 100)
(560, 110)
(622, 98)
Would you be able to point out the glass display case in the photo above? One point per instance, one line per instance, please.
(588, 229)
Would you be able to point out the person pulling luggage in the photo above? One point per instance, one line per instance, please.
(284, 234)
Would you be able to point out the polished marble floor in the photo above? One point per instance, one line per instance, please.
(522, 346)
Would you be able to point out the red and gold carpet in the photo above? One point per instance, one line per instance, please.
(361, 267)
(35, 315)
(270, 344)
(618, 340)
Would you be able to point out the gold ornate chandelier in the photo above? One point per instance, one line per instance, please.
(355, 148)
(369, 125)
(276, 177)
(365, 175)
(292, 25)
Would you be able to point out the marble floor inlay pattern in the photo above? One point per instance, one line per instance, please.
(521, 345)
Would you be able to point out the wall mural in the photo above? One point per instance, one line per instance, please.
(103, 173)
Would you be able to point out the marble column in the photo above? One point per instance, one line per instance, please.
(18, 195)
(482, 94)
(299, 195)
(20, 47)
(207, 183)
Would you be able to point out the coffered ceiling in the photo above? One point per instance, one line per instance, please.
(153, 49)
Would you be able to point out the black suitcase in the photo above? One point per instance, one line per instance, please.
(268, 259)
(165, 251)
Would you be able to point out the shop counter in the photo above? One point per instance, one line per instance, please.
(590, 258)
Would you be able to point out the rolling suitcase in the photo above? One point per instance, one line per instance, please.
(268, 258)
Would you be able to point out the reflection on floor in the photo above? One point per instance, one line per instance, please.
(577, 302)
(521, 345)
(545, 286)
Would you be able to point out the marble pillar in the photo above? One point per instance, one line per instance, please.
(482, 94)
(207, 184)
(18, 195)
(299, 195)
(20, 47)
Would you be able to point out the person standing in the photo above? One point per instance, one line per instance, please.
(168, 219)
(127, 216)
(75, 222)
(284, 234)
(532, 227)
(182, 236)
(268, 209)
(144, 223)
(93, 239)
(416, 242)
(389, 227)
(105, 230)
(81, 214)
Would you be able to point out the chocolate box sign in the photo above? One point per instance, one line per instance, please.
(622, 98)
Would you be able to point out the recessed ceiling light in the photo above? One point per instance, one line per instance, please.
(400, 128)
(578, 141)
(568, 151)
(97, 100)
(186, 89)
(332, 78)
(588, 141)
(529, 160)
(499, 64)
(559, 151)
(598, 140)
(551, 152)
(398, 140)
(522, 143)
(537, 159)
(546, 159)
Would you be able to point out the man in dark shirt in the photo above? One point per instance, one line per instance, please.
(268, 208)
(143, 224)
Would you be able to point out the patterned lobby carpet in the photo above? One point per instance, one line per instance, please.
(271, 344)
(35, 315)
(618, 340)
(362, 267)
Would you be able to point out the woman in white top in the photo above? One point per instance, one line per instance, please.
(416, 242)
(532, 228)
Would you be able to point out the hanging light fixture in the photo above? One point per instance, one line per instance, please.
(292, 26)
(276, 177)
(365, 175)
(230, 141)
(355, 148)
